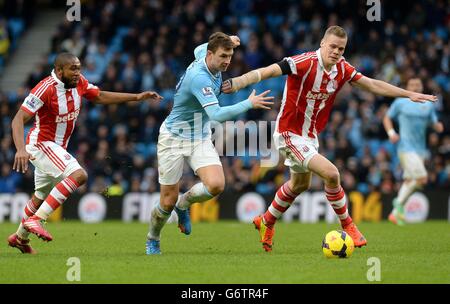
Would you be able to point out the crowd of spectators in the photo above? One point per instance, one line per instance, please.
(15, 18)
(146, 45)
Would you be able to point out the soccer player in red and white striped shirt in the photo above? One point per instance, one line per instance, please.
(55, 103)
(314, 79)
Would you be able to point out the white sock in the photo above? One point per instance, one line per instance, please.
(405, 191)
(22, 233)
(30, 209)
(158, 218)
(197, 194)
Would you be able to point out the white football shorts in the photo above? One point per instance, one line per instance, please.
(297, 149)
(412, 164)
(173, 150)
(52, 164)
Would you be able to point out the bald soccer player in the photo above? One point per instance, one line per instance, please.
(55, 103)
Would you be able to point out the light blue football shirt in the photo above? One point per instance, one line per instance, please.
(413, 119)
(195, 100)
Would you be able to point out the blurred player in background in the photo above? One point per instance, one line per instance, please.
(413, 120)
(314, 79)
(186, 134)
(55, 103)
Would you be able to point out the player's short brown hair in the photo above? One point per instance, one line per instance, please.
(219, 39)
(336, 30)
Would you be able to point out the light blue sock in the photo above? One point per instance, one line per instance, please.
(198, 193)
(158, 218)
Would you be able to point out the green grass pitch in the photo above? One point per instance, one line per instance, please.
(228, 252)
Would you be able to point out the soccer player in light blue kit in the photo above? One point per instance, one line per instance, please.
(413, 119)
(186, 134)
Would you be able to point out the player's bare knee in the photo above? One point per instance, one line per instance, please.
(168, 199)
(301, 187)
(80, 176)
(332, 177)
(37, 201)
(168, 203)
(215, 188)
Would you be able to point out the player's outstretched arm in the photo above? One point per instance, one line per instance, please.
(107, 98)
(385, 89)
(235, 84)
(220, 114)
(22, 156)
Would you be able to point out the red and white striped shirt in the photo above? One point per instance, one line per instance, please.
(56, 109)
(309, 93)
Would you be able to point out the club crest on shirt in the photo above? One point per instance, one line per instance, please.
(331, 85)
(67, 156)
(207, 91)
(334, 84)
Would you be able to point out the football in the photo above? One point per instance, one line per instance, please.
(337, 244)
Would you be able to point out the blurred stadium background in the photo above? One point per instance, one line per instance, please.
(127, 45)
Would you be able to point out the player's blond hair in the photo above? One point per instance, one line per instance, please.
(335, 30)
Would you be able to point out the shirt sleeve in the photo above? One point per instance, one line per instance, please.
(200, 51)
(220, 114)
(88, 90)
(394, 109)
(299, 64)
(202, 89)
(38, 96)
(351, 74)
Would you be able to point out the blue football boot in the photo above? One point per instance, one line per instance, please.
(152, 247)
(184, 221)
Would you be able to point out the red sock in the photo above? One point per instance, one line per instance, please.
(282, 201)
(57, 197)
(336, 197)
(30, 209)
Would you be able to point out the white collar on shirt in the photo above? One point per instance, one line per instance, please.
(334, 69)
(60, 84)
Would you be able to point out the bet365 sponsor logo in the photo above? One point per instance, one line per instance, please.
(317, 96)
(68, 117)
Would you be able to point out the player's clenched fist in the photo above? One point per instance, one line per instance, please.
(236, 40)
